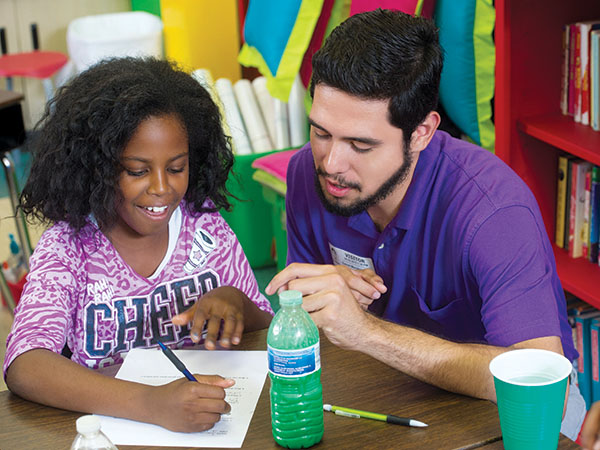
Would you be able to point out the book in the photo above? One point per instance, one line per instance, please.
(568, 203)
(585, 29)
(572, 76)
(577, 307)
(584, 103)
(595, 79)
(576, 217)
(594, 359)
(564, 75)
(585, 240)
(577, 75)
(561, 201)
(594, 214)
(584, 376)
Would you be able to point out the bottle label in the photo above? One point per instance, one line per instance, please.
(294, 363)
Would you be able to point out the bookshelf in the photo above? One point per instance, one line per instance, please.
(530, 130)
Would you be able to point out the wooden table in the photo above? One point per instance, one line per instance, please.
(349, 379)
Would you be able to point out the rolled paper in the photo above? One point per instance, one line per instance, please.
(297, 114)
(233, 117)
(204, 77)
(265, 102)
(282, 126)
(252, 117)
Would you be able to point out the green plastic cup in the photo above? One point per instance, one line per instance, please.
(530, 386)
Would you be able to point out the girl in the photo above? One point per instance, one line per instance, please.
(129, 165)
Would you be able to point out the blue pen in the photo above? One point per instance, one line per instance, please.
(175, 360)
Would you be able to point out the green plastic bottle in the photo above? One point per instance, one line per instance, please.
(295, 373)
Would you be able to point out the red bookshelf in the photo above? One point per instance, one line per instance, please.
(530, 130)
(578, 276)
(563, 133)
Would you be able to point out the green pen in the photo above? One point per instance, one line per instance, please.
(357, 414)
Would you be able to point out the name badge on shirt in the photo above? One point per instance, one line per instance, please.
(345, 258)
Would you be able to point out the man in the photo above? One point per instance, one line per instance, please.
(421, 250)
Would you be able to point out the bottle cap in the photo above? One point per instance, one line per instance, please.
(88, 424)
(14, 247)
(290, 298)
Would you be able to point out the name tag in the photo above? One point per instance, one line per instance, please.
(345, 258)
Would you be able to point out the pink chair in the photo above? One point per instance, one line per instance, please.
(35, 64)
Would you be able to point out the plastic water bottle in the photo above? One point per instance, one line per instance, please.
(89, 436)
(295, 373)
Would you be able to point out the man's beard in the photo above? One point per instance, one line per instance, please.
(363, 204)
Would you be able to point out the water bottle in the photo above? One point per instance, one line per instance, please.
(295, 373)
(89, 436)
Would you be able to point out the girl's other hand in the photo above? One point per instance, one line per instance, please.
(223, 304)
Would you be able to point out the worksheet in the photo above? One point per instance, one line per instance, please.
(151, 366)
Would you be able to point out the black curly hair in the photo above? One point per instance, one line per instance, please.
(78, 142)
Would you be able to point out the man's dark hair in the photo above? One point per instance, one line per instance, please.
(78, 142)
(381, 55)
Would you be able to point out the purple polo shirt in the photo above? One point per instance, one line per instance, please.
(466, 258)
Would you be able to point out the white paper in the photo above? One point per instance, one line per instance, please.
(151, 366)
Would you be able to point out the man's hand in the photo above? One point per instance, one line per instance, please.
(365, 285)
(330, 296)
(224, 304)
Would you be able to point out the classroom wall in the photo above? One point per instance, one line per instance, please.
(52, 18)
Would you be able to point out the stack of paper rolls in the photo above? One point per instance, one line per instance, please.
(256, 121)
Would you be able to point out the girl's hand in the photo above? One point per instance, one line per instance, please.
(225, 304)
(186, 406)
